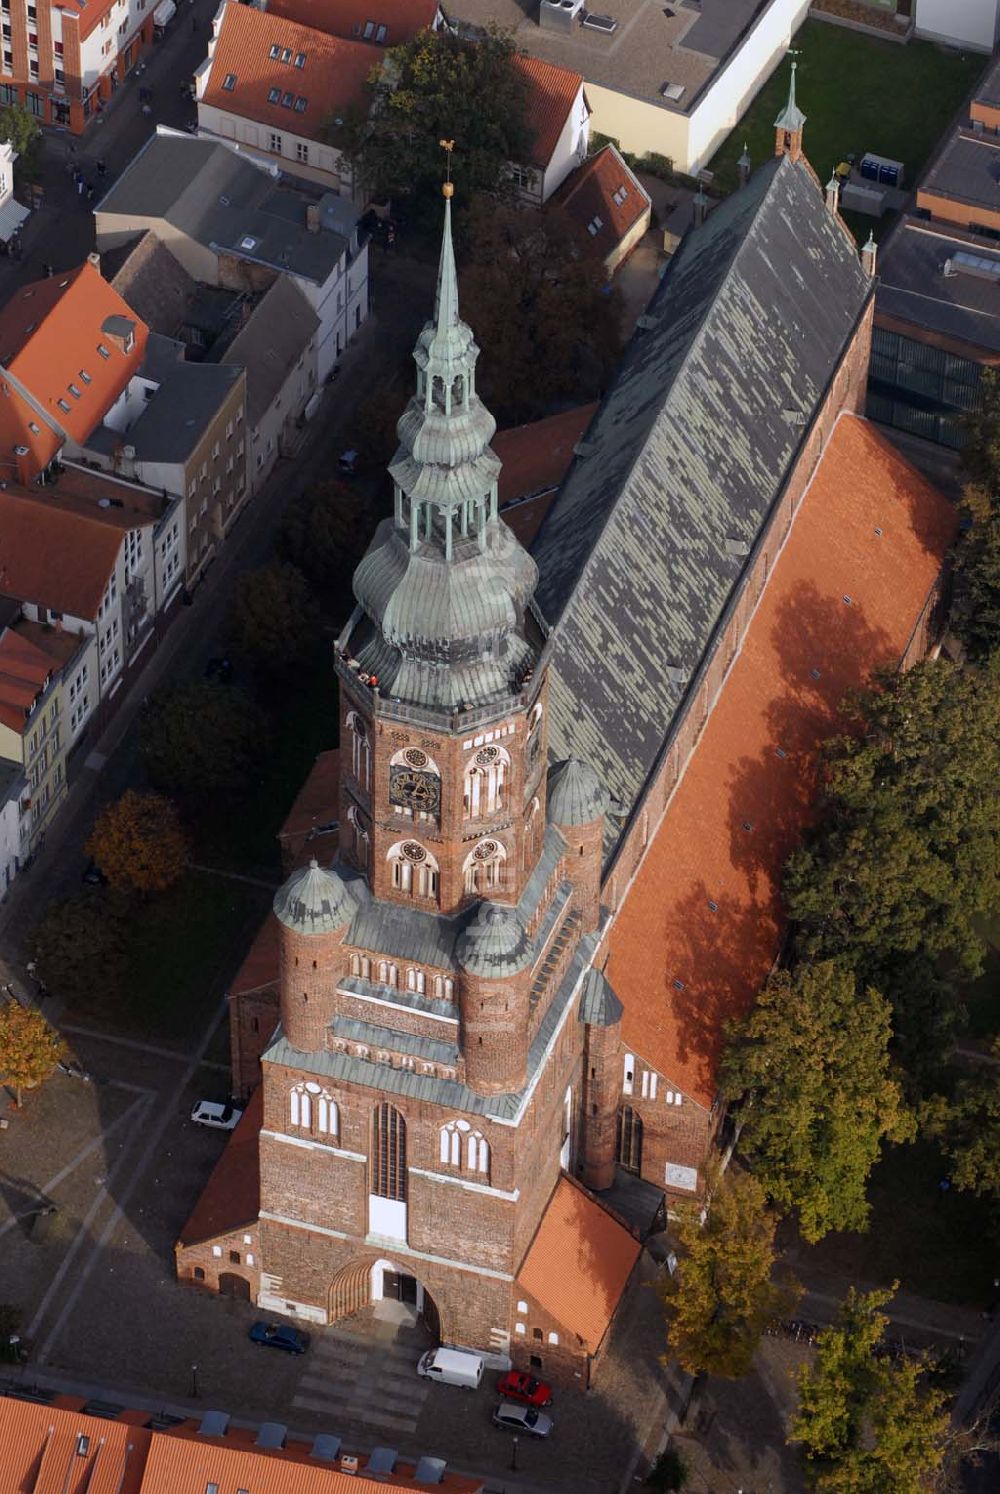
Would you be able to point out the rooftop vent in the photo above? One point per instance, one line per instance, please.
(348, 1462)
(325, 1445)
(214, 1424)
(593, 22)
(271, 1434)
(382, 1460)
(645, 322)
(248, 242)
(672, 91)
(794, 417)
(558, 15)
(429, 1470)
(736, 547)
(676, 674)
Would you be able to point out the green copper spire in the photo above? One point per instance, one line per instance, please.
(446, 297)
(791, 118)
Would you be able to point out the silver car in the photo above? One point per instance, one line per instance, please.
(212, 1113)
(525, 1420)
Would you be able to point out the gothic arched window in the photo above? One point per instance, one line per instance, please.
(444, 988)
(477, 1153)
(359, 837)
(484, 789)
(361, 752)
(483, 869)
(629, 1144)
(413, 868)
(388, 1154)
(451, 1143)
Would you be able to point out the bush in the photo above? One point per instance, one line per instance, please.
(670, 1472)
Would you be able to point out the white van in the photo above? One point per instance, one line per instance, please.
(452, 1367)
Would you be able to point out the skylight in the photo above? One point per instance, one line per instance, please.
(274, 95)
(300, 104)
(275, 51)
(229, 82)
(287, 100)
(300, 59)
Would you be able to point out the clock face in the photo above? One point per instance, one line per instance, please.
(420, 791)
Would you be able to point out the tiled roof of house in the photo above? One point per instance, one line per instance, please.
(534, 460)
(231, 1197)
(701, 925)
(248, 79)
(42, 1451)
(645, 544)
(271, 342)
(52, 334)
(153, 282)
(24, 671)
(310, 824)
(552, 92)
(54, 556)
(578, 1263)
(360, 19)
(605, 199)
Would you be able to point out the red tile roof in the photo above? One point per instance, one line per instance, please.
(53, 556)
(24, 673)
(578, 1263)
(551, 94)
(349, 18)
(231, 1197)
(260, 968)
(316, 805)
(603, 190)
(535, 458)
(40, 1451)
(50, 333)
(870, 529)
(331, 81)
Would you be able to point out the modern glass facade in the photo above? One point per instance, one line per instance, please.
(919, 388)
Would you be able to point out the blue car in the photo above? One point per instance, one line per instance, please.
(280, 1336)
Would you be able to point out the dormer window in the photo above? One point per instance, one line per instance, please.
(229, 82)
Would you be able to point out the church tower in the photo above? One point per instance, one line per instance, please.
(425, 1088)
(789, 124)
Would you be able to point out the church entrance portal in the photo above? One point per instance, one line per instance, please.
(370, 1287)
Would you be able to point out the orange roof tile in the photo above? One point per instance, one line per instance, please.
(260, 968)
(24, 672)
(331, 80)
(316, 805)
(551, 94)
(349, 18)
(231, 1197)
(578, 1263)
(50, 333)
(869, 529)
(536, 456)
(604, 190)
(52, 556)
(40, 1451)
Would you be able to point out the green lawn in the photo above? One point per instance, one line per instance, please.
(939, 1245)
(858, 94)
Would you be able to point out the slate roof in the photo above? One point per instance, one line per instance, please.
(188, 397)
(271, 343)
(687, 455)
(963, 307)
(219, 199)
(702, 923)
(967, 171)
(394, 1039)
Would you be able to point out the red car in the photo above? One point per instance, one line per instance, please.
(516, 1386)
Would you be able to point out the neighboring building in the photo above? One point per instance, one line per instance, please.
(230, 223)
(609, 204)
(486, 1031)
(63, 62)
(671, 80)
(558, 118)
(69, 346)
(278, 88)
(12, 214)
(937, 313)
(63, 1442)
(277, 345)
(534, 460)
(397, 21)
(959, 23)
(15, 822)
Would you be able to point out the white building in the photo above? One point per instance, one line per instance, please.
(12, 214)
(961, 23)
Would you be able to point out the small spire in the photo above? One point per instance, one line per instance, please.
(869, 253)
(446, 299)
(791, 118)
(743, 165)
(833, 193)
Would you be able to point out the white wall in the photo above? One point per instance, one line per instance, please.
(99, 50)
(341, 303)
(571, 147)
(290, 401)
(727, 98)
(170, 540)
(81, 690)
(970, 23)
(321, 163)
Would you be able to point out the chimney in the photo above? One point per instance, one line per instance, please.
(94, 259)
(868, 254)
(312, 217)
(743, 165)
(700, 207)
(833, 194)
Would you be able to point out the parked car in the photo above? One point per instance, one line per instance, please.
(224, 1117)
(93, 876)
(517, 1386)
(525, 1420)
(280, 1336)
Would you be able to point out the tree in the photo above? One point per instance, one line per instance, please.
(80, 946)
(324, 533)
(980, 455)
(29, 1048)
(721, 1297)
(273, 618)
(541, 305)
(138, 843)
(867, 1424)
(975, 616)
(202, 741)
(810, 1070)
(968, 1127)
(904, 856)
(443, 87)
(24, 132)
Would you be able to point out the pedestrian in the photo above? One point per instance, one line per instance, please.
(102, 169)
(80, 184)
(90, 191)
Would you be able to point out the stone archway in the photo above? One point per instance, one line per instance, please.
(350, 1291)
(369, 1283)
(231, 1284)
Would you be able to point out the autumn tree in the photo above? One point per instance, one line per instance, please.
(721, 1296)
(273, 618)
(440, 86)
(541, 305)
(200, 741)
(138, 843)
(22, 129)
(975, 615)
(903, 859)
(29, 1048)
(80, 948)
(980, 455)
(809, 1072)
(867, 1424)
(324, 533)
(968, 1127)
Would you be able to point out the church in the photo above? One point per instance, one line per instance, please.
(479, 1033)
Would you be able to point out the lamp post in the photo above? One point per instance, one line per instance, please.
(513, 1453)
(194, 1381)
